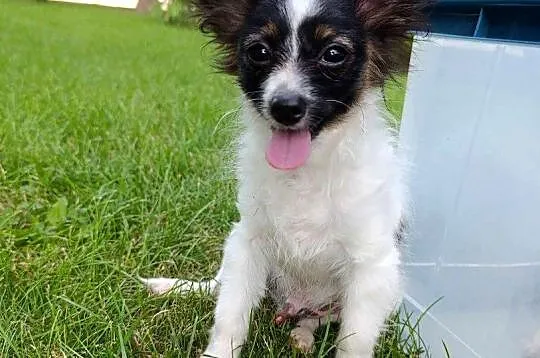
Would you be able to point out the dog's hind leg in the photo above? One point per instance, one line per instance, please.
(163, 286)
(302, 337)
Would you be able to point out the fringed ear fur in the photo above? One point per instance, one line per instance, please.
(223, 20)
(388, 25)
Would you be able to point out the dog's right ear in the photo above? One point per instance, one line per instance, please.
(223, 20)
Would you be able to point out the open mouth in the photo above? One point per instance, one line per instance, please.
(288, 149)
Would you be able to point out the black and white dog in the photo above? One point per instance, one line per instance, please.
(321, 192)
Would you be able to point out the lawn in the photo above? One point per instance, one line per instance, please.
(113, 163)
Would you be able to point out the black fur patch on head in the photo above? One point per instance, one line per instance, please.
(334, 89)
(255, 37)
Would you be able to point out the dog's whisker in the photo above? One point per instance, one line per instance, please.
(338, 102)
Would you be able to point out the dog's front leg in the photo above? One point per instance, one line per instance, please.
(370, 296)
(242, 285)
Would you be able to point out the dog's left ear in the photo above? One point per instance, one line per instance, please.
(223, 20)
(388, 25)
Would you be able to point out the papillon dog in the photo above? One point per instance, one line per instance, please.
(321, 189)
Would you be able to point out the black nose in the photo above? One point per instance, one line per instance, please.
(288, 109)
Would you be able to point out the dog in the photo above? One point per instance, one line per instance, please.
(322, 192)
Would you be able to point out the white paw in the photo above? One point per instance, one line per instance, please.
(302, 339)
(162, 286)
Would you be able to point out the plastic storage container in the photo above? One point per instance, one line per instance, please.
(471, 128)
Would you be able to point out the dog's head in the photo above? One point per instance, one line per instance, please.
(304, 63)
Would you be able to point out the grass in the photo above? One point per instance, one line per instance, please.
(112, 159)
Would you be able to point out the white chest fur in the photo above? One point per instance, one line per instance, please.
(312, 224)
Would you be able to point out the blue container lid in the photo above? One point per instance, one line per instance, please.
(488, 19)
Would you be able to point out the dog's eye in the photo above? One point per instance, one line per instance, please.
(334, 55)
(259, 54)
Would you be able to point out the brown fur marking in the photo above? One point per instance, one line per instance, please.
(270, 30)
(323, 31)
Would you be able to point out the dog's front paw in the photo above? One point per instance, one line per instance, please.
(302, 339)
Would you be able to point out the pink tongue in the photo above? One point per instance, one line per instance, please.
(289, 149)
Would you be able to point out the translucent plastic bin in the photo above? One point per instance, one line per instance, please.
(471, 128)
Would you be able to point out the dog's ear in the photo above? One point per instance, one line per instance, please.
(388, 25)
(223, 20)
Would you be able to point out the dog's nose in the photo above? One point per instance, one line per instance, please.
(288, 109)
